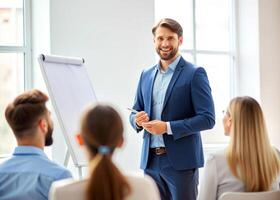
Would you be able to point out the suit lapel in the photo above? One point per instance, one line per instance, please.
(150, 90)
(174, 78)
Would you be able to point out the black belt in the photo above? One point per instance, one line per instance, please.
(158, 150)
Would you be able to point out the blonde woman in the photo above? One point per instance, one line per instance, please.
(249, 163)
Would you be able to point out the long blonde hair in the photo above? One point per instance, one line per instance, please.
(250, 156)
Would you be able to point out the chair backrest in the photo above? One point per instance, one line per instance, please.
(270, 195)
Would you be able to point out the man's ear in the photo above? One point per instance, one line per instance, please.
(180, 40)
(43, 125)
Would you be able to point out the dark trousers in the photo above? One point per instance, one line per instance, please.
(173, 184)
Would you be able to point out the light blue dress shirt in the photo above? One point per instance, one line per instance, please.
(161, 83)
(29, 175)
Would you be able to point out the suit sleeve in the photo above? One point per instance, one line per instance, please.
(203, 105)
(138, 105)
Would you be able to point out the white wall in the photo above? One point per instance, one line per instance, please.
(40, 32)
(114, 37)
(40, 41)
(247, 35)
(269, 23)
(258, 42)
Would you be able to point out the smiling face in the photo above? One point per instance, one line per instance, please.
(167, 43)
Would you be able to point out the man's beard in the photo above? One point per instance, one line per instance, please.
(49, 138)
(169, 56)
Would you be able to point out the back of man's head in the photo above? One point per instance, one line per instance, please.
(24, 113)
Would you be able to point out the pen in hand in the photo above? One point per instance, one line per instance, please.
(140, 118)
(132, 110)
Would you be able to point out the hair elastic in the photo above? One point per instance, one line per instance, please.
(104, 150)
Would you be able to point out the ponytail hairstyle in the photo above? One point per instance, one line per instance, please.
(250, 156)
(102, 132)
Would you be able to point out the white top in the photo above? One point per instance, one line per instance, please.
(218, 178)
(142, 188)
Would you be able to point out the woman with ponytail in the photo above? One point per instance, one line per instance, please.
(102, 132)
(249, 163)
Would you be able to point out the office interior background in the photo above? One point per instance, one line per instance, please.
(236, 41)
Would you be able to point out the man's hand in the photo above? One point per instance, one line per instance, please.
(155, 127)
(141, 117)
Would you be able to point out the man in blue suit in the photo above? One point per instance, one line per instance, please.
(174, 104)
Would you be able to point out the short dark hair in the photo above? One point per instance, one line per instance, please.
(24, 112)
(171, 24)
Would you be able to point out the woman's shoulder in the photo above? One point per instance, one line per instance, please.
(143, 187)
(217, 156)
(138, 177)
(217, 161)
(140, 180)
(67, 188)
(277, 151)
(68, 183)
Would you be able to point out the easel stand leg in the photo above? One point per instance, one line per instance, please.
(66, 162)
(66, 159)
(80, 169)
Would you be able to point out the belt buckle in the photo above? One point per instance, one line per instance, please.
(157, 151)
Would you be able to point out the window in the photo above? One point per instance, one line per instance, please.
(15, 70)
(208, 42)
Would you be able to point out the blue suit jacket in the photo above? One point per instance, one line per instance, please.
(188, 106)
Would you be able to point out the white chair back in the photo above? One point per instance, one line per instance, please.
(270, 195)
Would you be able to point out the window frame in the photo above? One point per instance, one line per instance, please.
(233, 70)
(25, 49)
(231, 53)
(233, 67)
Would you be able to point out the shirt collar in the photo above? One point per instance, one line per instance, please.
(28, 150)
(172, 65)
